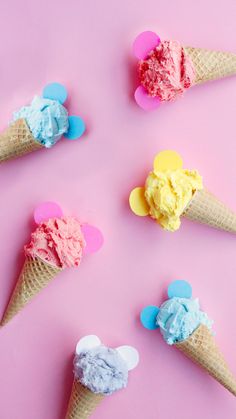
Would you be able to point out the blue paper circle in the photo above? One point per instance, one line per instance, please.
(180, 288)
(55, 91)
(76, 128)
(148, 317)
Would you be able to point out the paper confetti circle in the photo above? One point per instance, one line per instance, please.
(148, 317)
(93, 238)
(55, 91)
(146, 102)
(179, 288)
(76, 128)
(144, 43)
(47, 210)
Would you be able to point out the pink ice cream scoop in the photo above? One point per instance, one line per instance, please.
(167, 71)
(58, 241)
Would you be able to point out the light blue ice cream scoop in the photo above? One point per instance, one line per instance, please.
(179, 317)
(47, 120)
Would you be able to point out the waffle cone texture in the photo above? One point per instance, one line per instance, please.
(211, 65)
(16, 141)
(205, 208)
(82, 402)
(201, 348)
(35, 275)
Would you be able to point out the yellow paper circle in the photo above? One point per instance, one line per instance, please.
(138, 203)
(167, 160)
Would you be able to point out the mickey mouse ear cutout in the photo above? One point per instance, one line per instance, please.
(130, 356)
(86, 343)
(167, 160)
(145, 101)
(76, 128)
(138, 203)
(55, 91)
(148, 317)
(47, 210)
(144, 43)
(93, 238)
(179, 288)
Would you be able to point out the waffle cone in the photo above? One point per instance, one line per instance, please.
(201, 348)
(205, 208)
(211, 65)
(82, 402)
(16, 141)
(35, 275)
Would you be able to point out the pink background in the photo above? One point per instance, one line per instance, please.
(87, 46)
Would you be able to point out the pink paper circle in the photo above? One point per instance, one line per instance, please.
(47, 210)
(146, 102)
(93, 238)
(144, 43)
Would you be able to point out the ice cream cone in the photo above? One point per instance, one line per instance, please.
(201, 348)
(35, 275)
(82, 402)
(211, 65)
(16, 141)
(207, 209)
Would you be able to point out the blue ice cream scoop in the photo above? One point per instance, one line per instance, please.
(179, 317)
(48, 119)
(185, 326)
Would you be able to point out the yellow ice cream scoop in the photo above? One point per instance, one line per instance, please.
(171, 192)
(168, 191)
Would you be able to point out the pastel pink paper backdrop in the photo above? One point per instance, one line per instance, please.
(87, 46)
